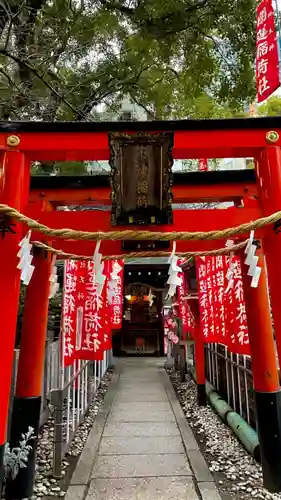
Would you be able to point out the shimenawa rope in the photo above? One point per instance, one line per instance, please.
(134, 255)
(139, 234)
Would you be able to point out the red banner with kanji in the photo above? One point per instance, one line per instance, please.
(190, 322)
(68, 327)
(267, 63)
(107, 339)
(117, 298)
(206, 296)
(86, 326)
(203, 164)
(236, 318)
(182, 302)
(222, 308)
(90, 318)
(184, 310)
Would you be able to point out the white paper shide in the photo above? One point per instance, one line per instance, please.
(25, 257)
(174, 280)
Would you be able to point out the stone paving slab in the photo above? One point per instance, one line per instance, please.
(133, 379)
(141, 405)
(141, 416)
(137, 397)
(151, 429)
(209, 491)
(119, 466)
(75, 492)
(140, 445)
(172, 488)
(136, 386)
(139, 373)
(139, 376)
(141, 389)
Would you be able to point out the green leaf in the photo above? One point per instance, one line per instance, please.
(177, 58)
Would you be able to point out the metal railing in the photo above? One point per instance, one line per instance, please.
(70, 391)
(50, 379)
(231, 375)
(71, 402)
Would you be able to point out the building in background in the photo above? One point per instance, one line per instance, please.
(130, 111)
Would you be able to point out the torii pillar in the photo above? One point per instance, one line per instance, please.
(265, 375)
(15, 177)
(199, 355)
(27, 399)
(268, 167)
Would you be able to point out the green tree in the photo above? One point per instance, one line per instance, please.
(61, 59)
(271, 107)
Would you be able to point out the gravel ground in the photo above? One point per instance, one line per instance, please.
(237, 474)
(46, 486)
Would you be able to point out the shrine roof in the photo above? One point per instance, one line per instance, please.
(179, 179)
(163, 125)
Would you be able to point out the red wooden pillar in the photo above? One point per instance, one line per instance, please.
(199, 356)
(15, 173)
(269, 179)
(34, 328)
(27, 400)
(265, 375)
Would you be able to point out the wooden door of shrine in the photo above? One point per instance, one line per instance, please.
(142, 330)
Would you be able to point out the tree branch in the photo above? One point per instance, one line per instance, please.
(112, 5)
(216, 44)
(12, 20)
(5, 14)
(112, 85)
(38, 75)
(143, 106)
(172, 23)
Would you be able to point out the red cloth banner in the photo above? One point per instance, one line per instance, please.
(83, 318)
(91, 319)
(203, 164)
(166, 331)
(202, 296)
(182, 307)
(68, 326)
(185, 313)
(117, 300)
(220, 307)
(222, 311)
(211, 298)
(267, 63)
(107, 339)
(238, 338)
(190, 322)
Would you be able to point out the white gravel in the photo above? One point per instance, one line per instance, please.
(45, 484)
(236, 472)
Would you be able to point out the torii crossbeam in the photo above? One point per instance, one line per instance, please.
(21, 143)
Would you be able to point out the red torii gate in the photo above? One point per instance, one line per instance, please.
(188, 187)
(21, 143)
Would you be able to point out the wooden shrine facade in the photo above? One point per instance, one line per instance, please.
(142, 327)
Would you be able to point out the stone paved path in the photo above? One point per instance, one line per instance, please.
(141, 446)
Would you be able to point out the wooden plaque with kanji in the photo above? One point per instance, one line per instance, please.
(141, 178)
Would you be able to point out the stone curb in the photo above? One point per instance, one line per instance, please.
(81, 477)
(204, 479)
